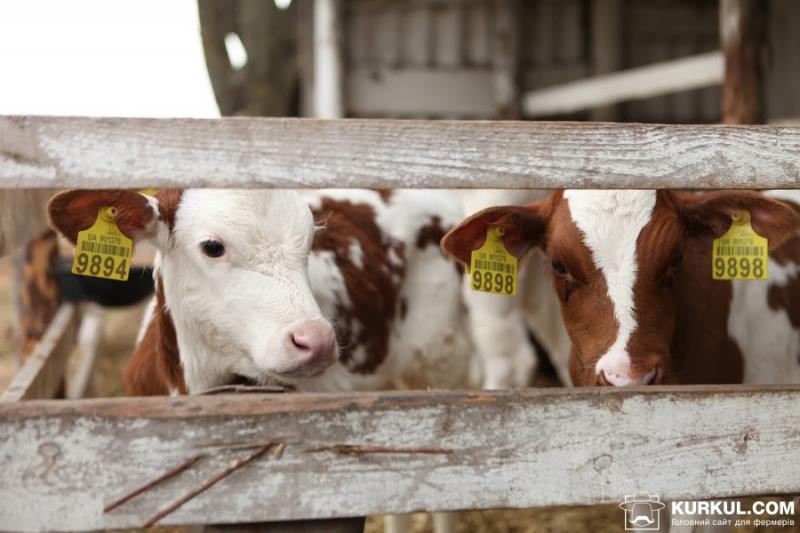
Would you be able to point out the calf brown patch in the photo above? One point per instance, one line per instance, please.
(168, 200)
(385, 194)
(373, 285)
(155, 368)
(431, 233)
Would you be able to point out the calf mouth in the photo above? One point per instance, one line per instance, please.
(243, 381)
(238, 380)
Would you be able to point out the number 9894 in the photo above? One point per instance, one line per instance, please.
(101, 266)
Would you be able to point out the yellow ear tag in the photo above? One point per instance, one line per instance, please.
(103, 251)
(148, 192)
(741, 253)
(491, 267)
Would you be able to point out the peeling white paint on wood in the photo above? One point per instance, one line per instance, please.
(307, 153)
(62, 461)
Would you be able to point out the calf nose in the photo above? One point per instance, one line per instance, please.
(622, 379)
(313, 343)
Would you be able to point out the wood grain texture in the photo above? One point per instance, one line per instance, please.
(63, 460)
(291, 152)
(42, 374)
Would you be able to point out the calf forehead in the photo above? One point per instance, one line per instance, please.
(260, 217)
(610, 222)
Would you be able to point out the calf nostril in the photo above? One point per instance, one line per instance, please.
(300, 342)
(650, 377)
(602, 379)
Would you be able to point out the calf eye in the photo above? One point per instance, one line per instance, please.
(676, 260)
(213, 248)
(559, 267)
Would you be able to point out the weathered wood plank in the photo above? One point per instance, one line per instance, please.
(360, 454)
(286, 152)
(42, 374)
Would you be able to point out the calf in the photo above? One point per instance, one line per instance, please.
(500, 324)
(256, 287)
(632, 271)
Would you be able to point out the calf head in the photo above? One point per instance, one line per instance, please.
(620, 260)
(233, 267)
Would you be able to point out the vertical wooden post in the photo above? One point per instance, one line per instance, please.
(328, 68)
(37, 290)
(741, 25)
(506, 58)
(305, 56)
(606, 47)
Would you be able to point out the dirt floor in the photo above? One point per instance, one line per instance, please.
(119, 336)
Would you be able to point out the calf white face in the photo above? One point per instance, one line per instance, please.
(233, 266)
(610, 223)
(619, 269)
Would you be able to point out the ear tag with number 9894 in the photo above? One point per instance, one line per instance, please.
(491, 267)
(741, 253)
(103, 251)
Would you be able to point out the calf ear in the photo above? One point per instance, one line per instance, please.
(711, 213)
(523, 228)
(76, 210)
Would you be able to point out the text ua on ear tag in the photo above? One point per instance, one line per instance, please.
(103, 251)
(741, 253)
(491, 267)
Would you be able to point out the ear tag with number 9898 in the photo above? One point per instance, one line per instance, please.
(491, 267)
(741, 253)
(103, 251)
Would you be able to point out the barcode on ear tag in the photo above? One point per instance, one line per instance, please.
(741, 253)
(492, 268)
(103, 251)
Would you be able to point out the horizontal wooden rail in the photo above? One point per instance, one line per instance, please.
(360, 454)
(65, 152)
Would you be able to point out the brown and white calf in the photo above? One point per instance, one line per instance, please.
(632, 271)
(257, 286)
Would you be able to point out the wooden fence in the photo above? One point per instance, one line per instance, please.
(356, 454)
(359, 454)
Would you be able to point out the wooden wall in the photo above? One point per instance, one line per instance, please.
(433, 58)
